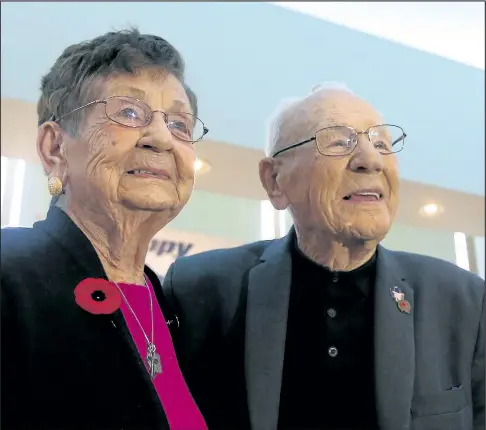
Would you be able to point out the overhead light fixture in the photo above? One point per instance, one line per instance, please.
(201, 166)
(431, 209)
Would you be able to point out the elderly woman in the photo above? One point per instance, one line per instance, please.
(86, 339)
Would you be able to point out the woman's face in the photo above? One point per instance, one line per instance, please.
(148, 168)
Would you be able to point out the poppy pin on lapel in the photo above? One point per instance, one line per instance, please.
(402, 304)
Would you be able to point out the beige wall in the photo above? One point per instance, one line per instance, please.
(217, 215)
(439, 244)
(480, 256)
(232, 218)
(34, 195)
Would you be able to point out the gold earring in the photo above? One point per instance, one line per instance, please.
(54, 185)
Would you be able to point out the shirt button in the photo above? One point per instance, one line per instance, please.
(332, 351)
(331, 313)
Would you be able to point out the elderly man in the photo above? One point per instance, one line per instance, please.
(325, 328)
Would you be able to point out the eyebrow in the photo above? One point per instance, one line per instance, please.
(131, 91)
(177, 105)
(180, 106)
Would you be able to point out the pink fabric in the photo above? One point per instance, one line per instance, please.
(179, 406)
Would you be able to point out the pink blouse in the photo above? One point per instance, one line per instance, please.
(180, 409)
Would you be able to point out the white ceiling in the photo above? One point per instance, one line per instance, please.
(454, 30)
(240, 78)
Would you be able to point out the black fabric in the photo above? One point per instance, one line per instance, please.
(62, 367)
(328, 310)
(216, 372)
(429, 364)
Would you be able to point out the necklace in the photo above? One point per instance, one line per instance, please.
(152, 358)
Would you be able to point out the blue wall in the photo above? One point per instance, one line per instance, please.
(244, 57)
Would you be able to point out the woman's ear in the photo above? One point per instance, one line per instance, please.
(269, 178)
(49, 145)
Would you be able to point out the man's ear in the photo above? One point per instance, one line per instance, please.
(269, 178)
(49, 148)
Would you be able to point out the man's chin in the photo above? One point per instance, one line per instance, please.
(368, 231)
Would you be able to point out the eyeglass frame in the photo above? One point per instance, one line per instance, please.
(367, 132)
(105, 102)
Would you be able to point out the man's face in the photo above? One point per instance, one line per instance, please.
(317, 188)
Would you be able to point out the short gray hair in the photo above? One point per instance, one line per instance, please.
(78, 72)
(275, 123)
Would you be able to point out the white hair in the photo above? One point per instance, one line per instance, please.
(284, 110)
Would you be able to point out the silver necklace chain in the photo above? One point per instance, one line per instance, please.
(135, 315)
(153, 359)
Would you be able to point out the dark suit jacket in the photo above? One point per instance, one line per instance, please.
(233, 304)
(62, 367)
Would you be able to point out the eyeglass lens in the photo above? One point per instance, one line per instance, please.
(133, 113)
(341, 140)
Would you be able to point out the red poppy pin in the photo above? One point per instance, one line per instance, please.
(399, 297)
(97, 296)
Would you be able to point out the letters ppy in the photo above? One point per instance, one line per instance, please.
(169, 247)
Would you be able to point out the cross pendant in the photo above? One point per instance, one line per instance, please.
(153, 361)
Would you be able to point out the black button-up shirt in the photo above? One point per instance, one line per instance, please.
(328, 374)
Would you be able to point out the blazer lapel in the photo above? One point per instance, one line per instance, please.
(266, 327)
(64, 231)
(394, 346)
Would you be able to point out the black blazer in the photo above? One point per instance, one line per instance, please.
(62, 367)
(429, 364)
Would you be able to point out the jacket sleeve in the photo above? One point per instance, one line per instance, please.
(478, 377)
(14, 386)
(168, 288)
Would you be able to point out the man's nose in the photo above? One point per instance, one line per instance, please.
(157, 135)
(365, 157)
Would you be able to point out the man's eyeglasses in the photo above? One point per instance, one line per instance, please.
(342, 140)
(134, 113)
